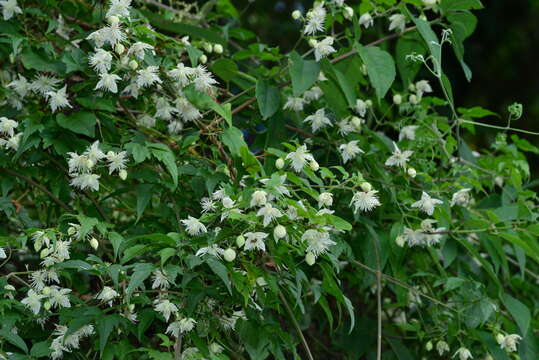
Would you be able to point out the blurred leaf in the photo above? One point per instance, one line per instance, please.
(303, 73)
(380, 67)
(268, 98)
(82, 122)
(518, 311)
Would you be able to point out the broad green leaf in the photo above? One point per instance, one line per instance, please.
(430, 38)
(303, 73)
(116, 241)
(406, 45)
(96, 103)
(268, 98)
(166, 254)
(82, 122)
(220, 270)
(194, 55)
(140, 273)
(452, 5)
(380, 68)
(476, 112)
(233, 138)
(13, 339)
(226, 69)
(75, 264)
(518, 311)
(38, 60)
(144, 195)
(204, 101)
(75, 60)
(41, 349)
(104, 325)
(163, 153)
(139, 151)
(87, 224)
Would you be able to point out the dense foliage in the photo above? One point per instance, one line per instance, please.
(172, 188)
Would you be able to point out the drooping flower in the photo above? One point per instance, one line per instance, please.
(58, 297)
(213, 250)
(3, 254)
(255, 240)
(461, 197)
(193, 226)
(203, 80)
(94, 153)
(366, 20)
(365, 200)
(422, 87)
(21, 86)
(116, 161)
(398, 22)
(398, 158)
(408, 132)
(313, 93)
(325, 199)
(294, 103)
(107, 295)
(187, 111)
(138, 49)
(86, 181)
(315, 19)
(323, 48)
(318, 241)
(165, 307)
(361, 107)
(101, 61)
(269, 213)
(181, 74)
(58, 99)
(299, 157)
(258, 198)
(510, 342)
(160, 280)
(10, 8)
(349, 150)
(426, 203)
(345, 127)
(7, 126)
(318, 120)
(441, 347)
(32, 301)
(148, 76)
(119, 8)
(108, 82)
(463, 354)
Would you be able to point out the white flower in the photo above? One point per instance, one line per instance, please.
(323, 48)
(160, 280)
(315, 19)
(193, 226)
(318, 120)
(58, 297)
(325, 199)
(414, 237)
(21, 86)
(99, 37)
(365, 200)
(148, 76)
(207, 205)
(510, 342)
(186, 325)
(7, 126)
(165, 307)
(441, 347)
(318, 241)
(107, 295)
(213, 250)
(132, 89)
(350, 150)
(119, 7)
(187, 111)
(101, 61)
(461, 197)
(181, 74)
(94, 153)
(269, 213)
(431, 235)
(204, 80)
(86, 181)
(255, 240)
(398, 158)
(361, 107)
(3, 254)
(294, 103)
(79, 163)
(299, 157)
(138, 49)
(366, 20)
(58, 99)
(397, 21)
(10, 8)
(146, 121)
(42, 84)
(463, 353)
(344, 127)
(108, 82)
(426, 204)
(12, 142)
(258, 198)
(163, 109)
(32, 301)
(422, 86)
(116, 161)
(408, 132)
(313, 93)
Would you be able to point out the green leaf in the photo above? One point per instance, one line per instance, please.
(75, 60)
(346, 87)
(220, 270)
(476, 112)
(140, 273)
(452, 5)
(204, 101)
(407, 45)
(38, 60)
(380, 68)
(166, 254)
(144, 195)
(268, 98)
(518, 311)
(163, 153)
(140, 152)
(87, 224)
(82, 122)
(303, 73)
(13, 339)
(116, 241)
(104, 325)
(194, 55)
(226, 69)
(40, 349)
(96, 103)
(430, 38)
(233, 139)
(75, 264)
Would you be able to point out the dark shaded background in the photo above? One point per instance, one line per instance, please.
(503, 54)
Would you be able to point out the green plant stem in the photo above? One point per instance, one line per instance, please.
(296, 325)
(499, 127)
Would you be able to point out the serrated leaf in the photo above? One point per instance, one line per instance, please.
(82, 122)
(140, 273)
(163, 153)
(144, 195)
(380, 68)
(220, 270)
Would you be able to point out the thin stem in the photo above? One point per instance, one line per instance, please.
(378, 301)
(499, 127)
(296, 325)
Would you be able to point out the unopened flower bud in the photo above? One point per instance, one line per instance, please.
(9, 287)
(279, 232)
(365, 186)
(368, 102)
(218, 48)
(229, 254)
(123, 174)
(131, 307)
(400, 240)
(348, 12)
(397, 99)
(47, 305)
(90, 164)
(208, 48)
(113, 19)
(71, 230)
(310, 259)
(313, 42)
(498, 180)
(37, 245)
(133, 64)
(428, 346)
(413, 99)
(411, 172)
(279, 163)
(500, 338)
(423, 17)
(203, 59)
(44, 253)
(411, 87)
(296, 14)
(119, 48)
(261, 281)
(12, 58)
(240, 240)
(94, 243)
(314, 165)
(357, 122)
(46, 291)
(364, 69)
(124, 61)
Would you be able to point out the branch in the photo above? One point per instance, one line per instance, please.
(296, 325)
(40, 187)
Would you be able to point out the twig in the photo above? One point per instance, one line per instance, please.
(296, 325)
(178, 348)
(378, 301)
(39, 186)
